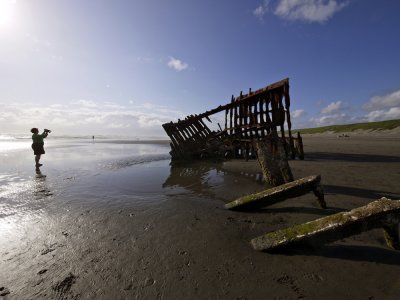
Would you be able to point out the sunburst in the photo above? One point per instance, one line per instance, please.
(7, 8)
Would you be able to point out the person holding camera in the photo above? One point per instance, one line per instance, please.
(38, 143)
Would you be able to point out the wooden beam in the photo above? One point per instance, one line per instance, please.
(383, 213)
(280, 193)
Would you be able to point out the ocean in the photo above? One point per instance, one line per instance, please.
(80, 170)
(79, 173)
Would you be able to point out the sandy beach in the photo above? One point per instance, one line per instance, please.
(114, 220)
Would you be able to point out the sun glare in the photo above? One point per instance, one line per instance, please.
(6, 13)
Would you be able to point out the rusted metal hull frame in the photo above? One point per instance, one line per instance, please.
(248, 118)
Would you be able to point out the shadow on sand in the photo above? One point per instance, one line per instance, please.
(296, 210)
(370, 158)
(374, 254)
(357, 192)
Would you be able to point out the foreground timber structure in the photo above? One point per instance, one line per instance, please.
(261, 115)
(280, 193)
(383, 213)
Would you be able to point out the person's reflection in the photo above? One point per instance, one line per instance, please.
(41, 188)
(39, 173)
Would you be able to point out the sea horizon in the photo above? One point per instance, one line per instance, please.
(16, 136)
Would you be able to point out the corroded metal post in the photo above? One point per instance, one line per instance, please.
(383, 213)
(299, 146)
(272, 158)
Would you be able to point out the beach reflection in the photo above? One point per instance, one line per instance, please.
(193, 175)
(20, 197)
(14, 194)
(15, 145)
(214, 179)
(105, 154)
(22, 208)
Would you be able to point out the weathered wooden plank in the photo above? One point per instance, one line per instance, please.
(383, 213)
(279, 193)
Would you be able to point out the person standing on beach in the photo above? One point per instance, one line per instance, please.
(38, 143)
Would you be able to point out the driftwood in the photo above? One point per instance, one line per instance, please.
(289, 190)
(383, 213)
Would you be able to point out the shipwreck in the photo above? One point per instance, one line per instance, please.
(249, 117)
(256, 125)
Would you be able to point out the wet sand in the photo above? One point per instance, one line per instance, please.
(150, 231)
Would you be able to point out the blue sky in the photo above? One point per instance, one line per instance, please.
(126, 67)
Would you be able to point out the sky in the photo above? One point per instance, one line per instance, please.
(125, 67)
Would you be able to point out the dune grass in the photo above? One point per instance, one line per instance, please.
(382, 125)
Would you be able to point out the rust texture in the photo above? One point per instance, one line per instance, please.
(248, 118)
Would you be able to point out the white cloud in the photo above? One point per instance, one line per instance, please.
(117, 125)
(333, 107)
(378, 108)
(386, 107)
(151, 120)
(61, 121)
(148, 105)
(383, 102)
(298, 113)
(85, 103)
(57, 106)
(381, 115)
(327, 120)
(260, 11)
(110, 105)
(303, 10)
(335, 113)
(87, 117)
(177, 64)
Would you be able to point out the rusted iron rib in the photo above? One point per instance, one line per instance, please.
(244, 98)
(383, 213)
(279, 193)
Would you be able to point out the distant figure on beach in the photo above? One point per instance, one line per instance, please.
(38, 144)
(93, 138)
